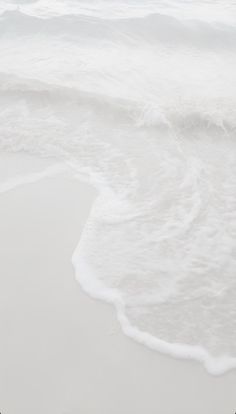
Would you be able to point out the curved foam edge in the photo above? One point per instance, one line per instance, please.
(94, 288)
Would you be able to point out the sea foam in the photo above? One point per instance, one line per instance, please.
(140, 102)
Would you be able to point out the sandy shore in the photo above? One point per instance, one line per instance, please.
(62, 352)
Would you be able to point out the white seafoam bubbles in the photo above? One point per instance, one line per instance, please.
(144, 108)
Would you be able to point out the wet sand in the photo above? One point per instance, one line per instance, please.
(62, 352)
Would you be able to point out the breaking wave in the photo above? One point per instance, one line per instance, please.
(142, 106)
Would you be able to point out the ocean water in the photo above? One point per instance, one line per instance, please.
(138, 98)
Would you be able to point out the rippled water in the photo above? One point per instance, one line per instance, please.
(139, 99)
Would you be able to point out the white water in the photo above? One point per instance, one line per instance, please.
(139, 99)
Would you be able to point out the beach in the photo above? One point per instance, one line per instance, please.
(117, 207)
(61, 351)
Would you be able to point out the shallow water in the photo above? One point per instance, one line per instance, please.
(139, 100)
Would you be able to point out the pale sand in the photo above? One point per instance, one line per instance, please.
(64, 353)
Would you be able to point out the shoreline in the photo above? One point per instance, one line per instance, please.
(63, 352)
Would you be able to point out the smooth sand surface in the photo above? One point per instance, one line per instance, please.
(62, 352)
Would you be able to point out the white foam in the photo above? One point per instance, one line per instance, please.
(92, 286)
(142, 107)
